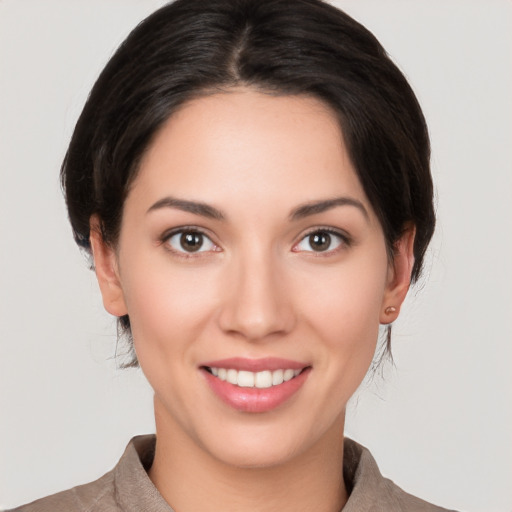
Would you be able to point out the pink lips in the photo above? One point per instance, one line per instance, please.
(255, 400)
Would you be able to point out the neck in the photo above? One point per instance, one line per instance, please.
(189, 478)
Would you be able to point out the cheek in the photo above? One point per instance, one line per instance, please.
(168, 307)
(351, 295)
(343, 310)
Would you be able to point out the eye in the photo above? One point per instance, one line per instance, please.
(190, 241)
(322, 240)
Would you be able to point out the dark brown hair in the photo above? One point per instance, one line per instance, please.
(303, 47)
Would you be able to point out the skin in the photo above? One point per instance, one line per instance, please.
(258, 289)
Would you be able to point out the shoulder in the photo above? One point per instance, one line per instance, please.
(126, 487)
(92, 497)
(370, 491)
(405, 501)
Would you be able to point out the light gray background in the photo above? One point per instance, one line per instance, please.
(439, 423)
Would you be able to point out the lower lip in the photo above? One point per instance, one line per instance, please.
(255, 399)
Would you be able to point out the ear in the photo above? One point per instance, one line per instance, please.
(399, 276)
(107, 270)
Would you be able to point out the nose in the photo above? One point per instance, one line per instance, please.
(256, 305)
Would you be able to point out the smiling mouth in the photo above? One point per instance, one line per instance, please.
(261, 380)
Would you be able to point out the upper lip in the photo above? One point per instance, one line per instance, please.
(256, 365)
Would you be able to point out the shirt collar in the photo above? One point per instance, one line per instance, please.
(136, 493)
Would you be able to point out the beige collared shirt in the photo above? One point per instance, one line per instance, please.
(127, 488)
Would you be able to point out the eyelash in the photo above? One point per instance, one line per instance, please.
(344, 240)
(193, 230)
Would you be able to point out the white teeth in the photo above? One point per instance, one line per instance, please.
(261, 380)
(245, 379)
(277, 377)
(288, 374)
(231, 376)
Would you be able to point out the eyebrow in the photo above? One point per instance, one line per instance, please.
(302, 211)
(195, 207)
(316, 207)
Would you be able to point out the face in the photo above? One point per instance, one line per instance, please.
(255, 275)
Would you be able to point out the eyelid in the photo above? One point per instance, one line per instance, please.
(346, 239)
(180, 229)
(167, 235)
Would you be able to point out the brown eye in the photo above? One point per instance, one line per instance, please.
(190, 242)
(321, 241)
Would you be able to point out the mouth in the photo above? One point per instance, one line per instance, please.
(246, 379)
(255, 386)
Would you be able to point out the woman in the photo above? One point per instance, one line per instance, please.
(252, 181)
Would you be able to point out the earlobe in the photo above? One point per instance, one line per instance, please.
(107, 271)
(399, 277)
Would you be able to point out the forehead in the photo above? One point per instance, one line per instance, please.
(243, 144)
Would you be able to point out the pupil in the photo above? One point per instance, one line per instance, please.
(320, 241)
(191, 242)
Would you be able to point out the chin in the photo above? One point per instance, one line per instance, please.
(254, 456)
(262, 446)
